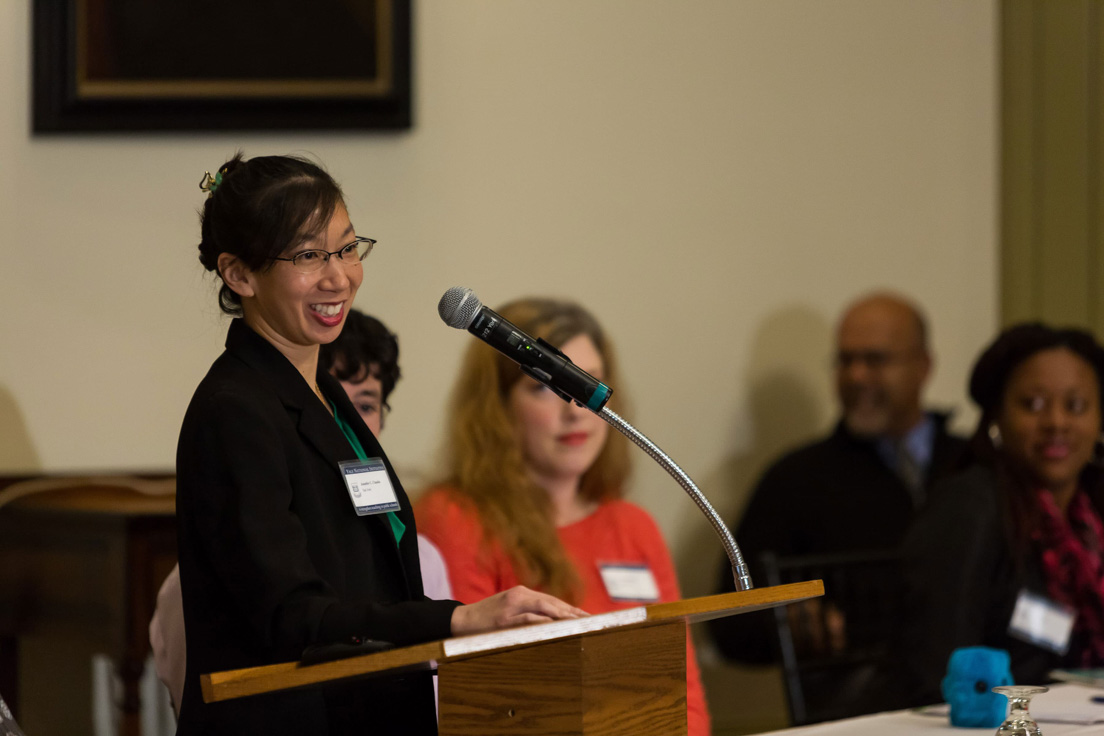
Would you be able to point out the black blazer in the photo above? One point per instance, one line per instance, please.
(273, 557)
(962, 584)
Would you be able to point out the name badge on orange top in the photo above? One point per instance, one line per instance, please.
(627, 582)
(1041, 622)
(369, 486)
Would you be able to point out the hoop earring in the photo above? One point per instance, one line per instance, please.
(995, 436)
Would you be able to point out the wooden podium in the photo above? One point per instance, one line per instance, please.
(614, 673)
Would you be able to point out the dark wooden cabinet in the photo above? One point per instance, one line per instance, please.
(84, 562)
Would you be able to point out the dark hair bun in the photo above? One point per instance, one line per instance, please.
(260, 208)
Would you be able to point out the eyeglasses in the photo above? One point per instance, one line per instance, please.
(874, 360)
(309, 261)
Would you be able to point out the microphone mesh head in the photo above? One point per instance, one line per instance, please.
(458, 307)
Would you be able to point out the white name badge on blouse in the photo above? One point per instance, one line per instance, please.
(1042, 622)
(629, 582)
(369, 486)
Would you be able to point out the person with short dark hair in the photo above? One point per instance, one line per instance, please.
(280, 548)
(365, 359)
(857, 489)
(1017, 536)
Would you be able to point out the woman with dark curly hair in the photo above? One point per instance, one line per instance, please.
(1010, 553)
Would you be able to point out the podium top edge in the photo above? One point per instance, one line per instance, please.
(237, 683)
(729, 604)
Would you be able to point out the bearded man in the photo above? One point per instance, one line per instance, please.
(857, 489)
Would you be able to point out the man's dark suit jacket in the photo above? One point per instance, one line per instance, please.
(273, 557)
(833, 496)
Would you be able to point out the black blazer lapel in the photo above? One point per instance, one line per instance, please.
(332, 388)
(320, 430)
(334, 391)
(315, 424)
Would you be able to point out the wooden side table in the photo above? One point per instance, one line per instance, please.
(84, 558)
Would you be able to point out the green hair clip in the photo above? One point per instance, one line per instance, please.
(210, 183)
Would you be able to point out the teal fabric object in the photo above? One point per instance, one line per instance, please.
(972, 673)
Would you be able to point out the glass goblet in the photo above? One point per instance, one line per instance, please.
(1019, 721)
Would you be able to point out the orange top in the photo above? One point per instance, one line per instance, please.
(617, 533)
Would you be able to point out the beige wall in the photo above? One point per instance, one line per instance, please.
(714, 179)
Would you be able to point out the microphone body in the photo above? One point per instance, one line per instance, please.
(538, 359)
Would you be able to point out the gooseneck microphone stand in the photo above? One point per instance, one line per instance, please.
(739, 569)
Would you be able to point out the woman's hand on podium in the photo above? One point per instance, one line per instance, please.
(514, 607)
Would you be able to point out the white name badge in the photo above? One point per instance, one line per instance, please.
(369, 486)
(629, 582)
(1042, 622)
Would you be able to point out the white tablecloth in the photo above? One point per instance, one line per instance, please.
(1064, 702)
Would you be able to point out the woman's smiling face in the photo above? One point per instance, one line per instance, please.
(1050, 417)
(296, 309)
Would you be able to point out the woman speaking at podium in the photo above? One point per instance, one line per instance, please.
(534, 484)
(293, 529)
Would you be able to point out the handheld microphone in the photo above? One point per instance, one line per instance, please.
(460, 308)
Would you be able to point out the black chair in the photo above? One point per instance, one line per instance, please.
(832, 648)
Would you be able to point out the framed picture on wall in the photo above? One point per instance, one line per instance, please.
(129, 65)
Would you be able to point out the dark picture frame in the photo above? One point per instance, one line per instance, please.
(169, 65)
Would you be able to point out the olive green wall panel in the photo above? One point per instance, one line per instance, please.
(1051, 164)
